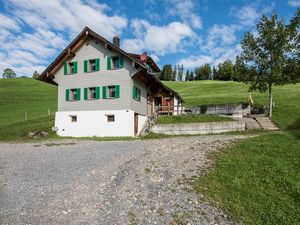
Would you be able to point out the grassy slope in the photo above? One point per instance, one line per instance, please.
(190, 119)
(21, 95)
(286, 112)
(257, 180)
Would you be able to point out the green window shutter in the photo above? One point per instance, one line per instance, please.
(85, 66)
(97, 92)
(78, 93)
(97, 64)
(121, 61)
(67, 94)
(65, 68)
(133, 92)
(117, 89)
(76, 67)
(109, 62)
(85, 93)
(104, 92)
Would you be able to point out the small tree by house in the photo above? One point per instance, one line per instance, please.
(9, 73)
(35, 75)
(272, 57)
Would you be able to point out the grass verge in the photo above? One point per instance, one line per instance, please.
(191, 119)
(257, 180)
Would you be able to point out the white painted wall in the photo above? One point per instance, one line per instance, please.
(141, 121)
(94, 123)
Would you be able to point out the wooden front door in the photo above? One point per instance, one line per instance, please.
(136, 123)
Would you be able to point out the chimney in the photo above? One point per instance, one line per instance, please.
(116, 41)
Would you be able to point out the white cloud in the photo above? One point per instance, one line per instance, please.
(52, 25)
(157, 39)
(247, 15)
(294, 3)
(185, 10)
(155, 58)
(194, 61)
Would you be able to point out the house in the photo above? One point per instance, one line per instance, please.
(103, 90)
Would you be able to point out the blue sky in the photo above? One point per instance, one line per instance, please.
(188, 32)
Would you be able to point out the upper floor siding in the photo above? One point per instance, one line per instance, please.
(92, 49)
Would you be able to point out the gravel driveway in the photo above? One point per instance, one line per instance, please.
(118, 182)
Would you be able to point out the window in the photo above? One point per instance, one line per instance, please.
(136, 93)
(110, 118)
(70, 68)
(73, 94)
(115, 62)
(73, 119)
(91, 93)
(91, 65)
(112, 91)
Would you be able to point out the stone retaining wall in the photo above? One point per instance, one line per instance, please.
(198, 128)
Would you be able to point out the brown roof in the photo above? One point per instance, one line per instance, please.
(69, 51)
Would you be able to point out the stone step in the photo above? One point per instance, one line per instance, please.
(266, 123)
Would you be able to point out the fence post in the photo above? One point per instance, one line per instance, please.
(177, 109)
(181, 108)
(25, 115)
(168, 108)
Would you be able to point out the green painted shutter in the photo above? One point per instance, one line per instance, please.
(85, 93)
(75, 67)
(109, 62)
(97, 64)
(117, 90)
(121, 62)
(97, 92)
(65, 68)
(67, 94)
(133, 92)
(85, 66)
(78, 93)
(104, 92)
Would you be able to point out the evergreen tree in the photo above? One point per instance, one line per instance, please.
(187, 76)
(203, 72)
(215, 73)
(192, 77)
(35, 75)
(180, 72)
(225, 71)
(174, 77)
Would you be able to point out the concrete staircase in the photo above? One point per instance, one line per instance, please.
(266, 123)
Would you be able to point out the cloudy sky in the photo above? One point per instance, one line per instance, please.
(188, 32)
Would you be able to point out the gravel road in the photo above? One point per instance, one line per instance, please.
(117, 182)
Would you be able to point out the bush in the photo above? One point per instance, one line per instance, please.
(203, 109)
(257, 109)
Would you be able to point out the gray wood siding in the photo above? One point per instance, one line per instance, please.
(100, 78)
(139, 106)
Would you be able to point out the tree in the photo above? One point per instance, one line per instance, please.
(225, 71)
(214, 73)
(35, 75)
(203, 72)
(9, 73)
(271, 57)
(166, 73)
(192, 77)
(174, 76)
(187, 76)
(180, 72)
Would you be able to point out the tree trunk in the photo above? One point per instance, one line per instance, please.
(270, 101)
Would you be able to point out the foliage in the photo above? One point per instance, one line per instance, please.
(9, 73)
(203, 109)
(35, 75)
(174, 75)
(166, 73)
(203, 72)
(190, 119)
(272, 57)
(192, 77)
(180, 72)
(225, 71)
(195, 93)
(187, 76)
(214, 73)
(257, 109)
(257, 180)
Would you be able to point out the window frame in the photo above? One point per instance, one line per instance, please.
(90, 93)
(73, 94)
(137, 93)
(73, 118)
(108, 120)
(108, 91)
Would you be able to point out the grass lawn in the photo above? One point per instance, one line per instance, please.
(21, 95)
(190, 119)
(257, 180)
(286, 113)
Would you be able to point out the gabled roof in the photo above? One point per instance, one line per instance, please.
(69, 51)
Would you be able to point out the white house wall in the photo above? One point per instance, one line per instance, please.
(94, 123)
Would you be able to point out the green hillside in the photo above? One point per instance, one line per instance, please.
(18, 96)
(286, 112)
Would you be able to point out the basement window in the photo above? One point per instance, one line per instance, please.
(73, 119)
(110, 118)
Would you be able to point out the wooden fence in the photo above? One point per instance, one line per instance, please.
(169, 110)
